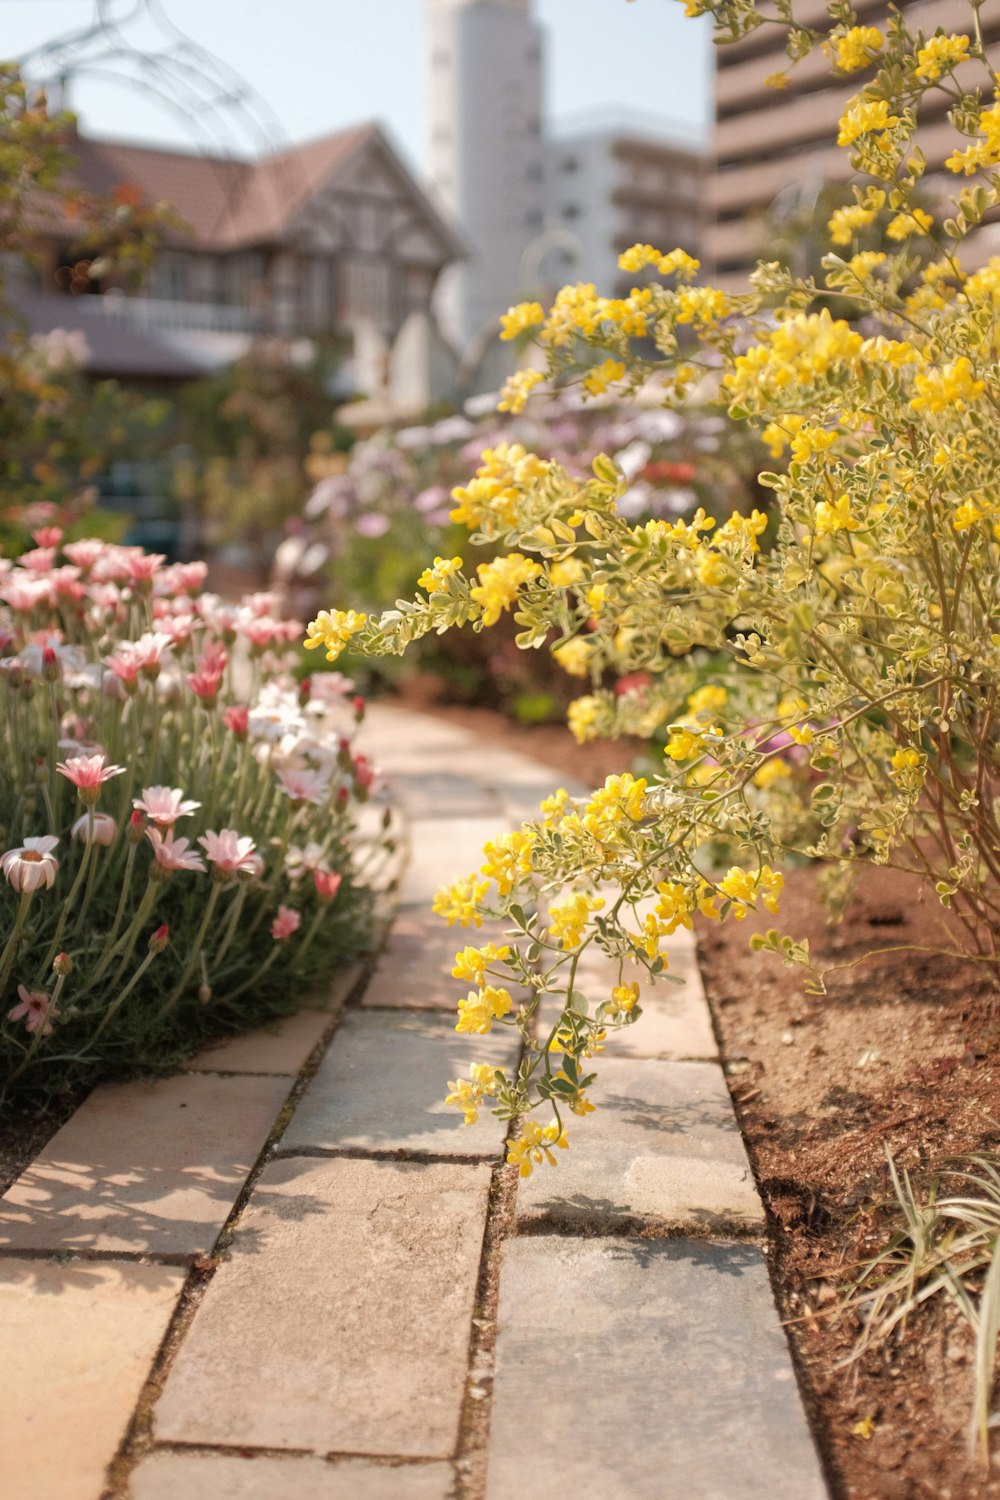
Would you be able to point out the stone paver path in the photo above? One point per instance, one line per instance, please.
(290, 1273)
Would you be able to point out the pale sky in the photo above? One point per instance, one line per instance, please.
(320, 65)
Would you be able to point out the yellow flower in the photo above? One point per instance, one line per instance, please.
(907, 769)
(567, 573)
(333, 628)
(517, 388)
(743, 887)
(913, 221)
(772, 771)
(707, 700)
(953, 386)
(519, 319)
(574, 657)
(844, 223)
(624, 998)
(467, 1094)
(702, 304)
(508, 859)
(499, 582)
(480, 1008)
(597, 380)
(459, 901)
(812, 442)
(435, 580)
(533, 1146)
(581, 717)
(855, 48)
(835, 517)
(862, 116)
(472, 963)
(684, 742)
(940, 54)
(568, 918)
(674, 908)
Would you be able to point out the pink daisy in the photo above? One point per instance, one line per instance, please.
(173, 854)
(32, 864)
(164, 805)
(229, 852)
(35, 1009)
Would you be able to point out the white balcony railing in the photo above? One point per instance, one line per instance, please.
(162, 312)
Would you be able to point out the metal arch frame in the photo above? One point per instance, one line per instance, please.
(220, 109)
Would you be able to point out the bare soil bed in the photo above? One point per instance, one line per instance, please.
(902, 1055)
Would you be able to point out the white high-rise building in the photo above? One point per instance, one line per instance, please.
(485, 155)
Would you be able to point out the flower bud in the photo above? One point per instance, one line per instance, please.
(63, 965)
(50, 665)
(204, 993)
(136, 828)
(358, 705)
(159, 939)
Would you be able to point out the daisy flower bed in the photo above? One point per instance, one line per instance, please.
(180, 846)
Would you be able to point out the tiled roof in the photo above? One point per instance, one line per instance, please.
(226, 203)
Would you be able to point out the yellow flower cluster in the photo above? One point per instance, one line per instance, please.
(805, 348)
(521, 319)
(581, 716)
(435, 579)
(471, 963)
(940, 55)
(863, 116)
(597, 380)
(907, 768)
(459, 902)
(624, 998)
(508, 859)
(533, 1146)
(574, 657)
(492, 495)
(745, 887)
(467, 1094)
(517, 388)
(480, 1008)
(984, 153)
(835, 515)
(499, 582)
(845, 222)
(952, 387)
(905, 225)
(333, 628)
(568, 918)
(620, 799)
(855, 49)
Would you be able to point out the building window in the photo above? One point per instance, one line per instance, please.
(569, 164)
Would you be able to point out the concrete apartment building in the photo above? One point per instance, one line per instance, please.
(612, 186)
(537, 210)
(774, 148)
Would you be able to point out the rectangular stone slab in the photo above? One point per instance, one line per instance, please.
(675, 1021)
(414, 969)
(662, 1145)
(148, 1166)
(443, 850)
(77, 1341)
(223, 1476)
(381, 1087)
(340, 1321)
(282, 1047)
(665, 1374)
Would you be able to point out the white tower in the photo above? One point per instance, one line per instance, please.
(484, 60)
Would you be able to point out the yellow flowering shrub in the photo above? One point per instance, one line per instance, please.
(825, 679)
